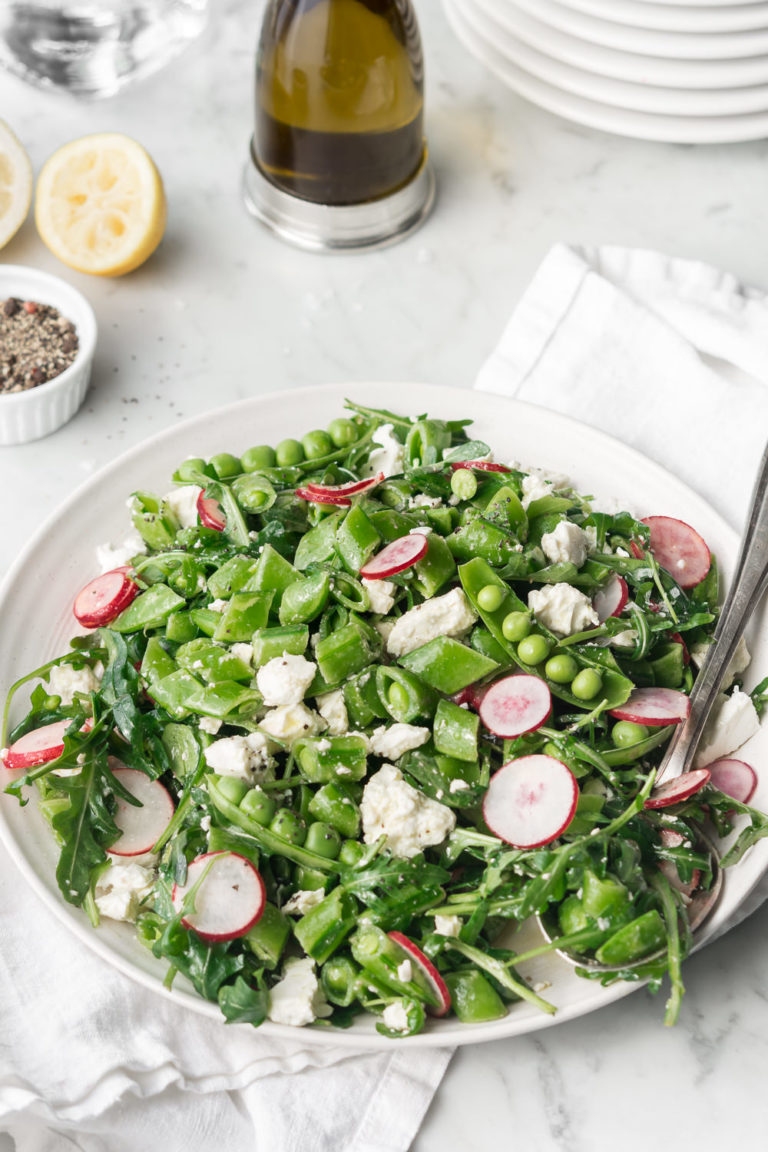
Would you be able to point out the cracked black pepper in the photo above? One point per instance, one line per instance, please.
(37, 343)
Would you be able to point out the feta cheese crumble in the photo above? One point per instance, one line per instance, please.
(245, 757)
(394, 740)
(732, 721)
(381, 594)
(566, 544)
(389, 456)
(410, 821)
(284, 679)
(302, 901)
(183, 503)
(298, 998)
(121, 888)
(562, 609)
(447, 925)
(109, 557)
(448, 615)
(333, 710)
(65, 681)
(209, 724)
(291, 722)
(395, 1017)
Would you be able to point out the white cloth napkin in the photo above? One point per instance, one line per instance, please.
(665, 354)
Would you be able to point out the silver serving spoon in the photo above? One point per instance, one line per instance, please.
(749, 583)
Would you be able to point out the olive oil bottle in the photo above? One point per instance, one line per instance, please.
(339, 99)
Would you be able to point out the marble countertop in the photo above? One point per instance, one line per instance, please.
(225, 311)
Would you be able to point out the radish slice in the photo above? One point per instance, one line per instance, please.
(610, 600)
(481, 465)
(230, 899)
(679, 640)
(515, 704)
(530, 801)
(37, 747)
(104, 598)
(396, 557)
(672, 839)
(323, 497)
(654, 707)
(353, 488)
(636, 550)
(679, 549)
(678, 789)
(210, 513)
(735, 778)
(140, 827)
(428, 971)
(471, 695)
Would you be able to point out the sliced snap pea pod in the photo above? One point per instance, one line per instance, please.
(244, 614)
(618, 757)
(156, 661)
(232, 576)
(271, 642)
(150, 609)
(319, 543)
(342, 654)
(362, 699)
(437, 776)
(269, 841)
(378, 954)
(349, 592)
(426, 442)
(154, 521)
(505, 507)
(405, 697)
(305, 598)
(391, 525)
(224, 840)
(435, 569)
(180, 628)
(634, 940)
(273, 573)
(342, 981)
(334, 804)
(483, 540)
(182, 693)
(546, 505)
(323, 759)
(253, 492)
(356, 539)
(211, 662)
(183, 749)
(447, 665)
(455, 731)
(473, 998)
(269, 936)
(326, 926)
(205, 620)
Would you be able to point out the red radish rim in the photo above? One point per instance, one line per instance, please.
(17, 757)
(210, 513)
(102, 599)
(654, 707)
(180, 891)
(515, 705)
(396, 556)
(679, 549)
(351, 488)
(428, 970)
(636, 550)
(613, 595)
(729, 766)
(155, 812)
(679, 640)
(472, 695)
(481, 465)
(518, 801)
(322, 497)
(681, 788)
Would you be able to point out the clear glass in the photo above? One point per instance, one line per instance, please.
(93, 48)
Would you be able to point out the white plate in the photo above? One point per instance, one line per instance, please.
(60, 559)
(596, 114)
(675, 16)
(551, 57)
(674, 45)
(528, 20)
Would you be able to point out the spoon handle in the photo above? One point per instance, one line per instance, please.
(749, 583)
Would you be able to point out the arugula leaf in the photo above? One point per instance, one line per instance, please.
(242, 1003)
(85, 827)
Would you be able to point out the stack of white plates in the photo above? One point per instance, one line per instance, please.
(683, 71)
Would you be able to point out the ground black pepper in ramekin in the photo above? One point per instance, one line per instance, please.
(37, 343)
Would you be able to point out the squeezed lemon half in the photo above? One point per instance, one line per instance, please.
(100, 204)
(15, 184)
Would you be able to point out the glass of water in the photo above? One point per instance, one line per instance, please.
(94, 47)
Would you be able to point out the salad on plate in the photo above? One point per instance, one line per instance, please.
(344, 713)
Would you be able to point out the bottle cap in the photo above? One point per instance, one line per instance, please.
(347, 227)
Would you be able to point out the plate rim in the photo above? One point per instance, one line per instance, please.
(420, 394)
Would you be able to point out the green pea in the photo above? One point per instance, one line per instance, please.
(189, 469)
(625, 733)
(258, 805)
(289, 825)
(398, 697)
(533, 649)
(516, 626)
(342, 431)
(232, 789)
(316, 444)
(262, 456)
(561, 668)
(288, 453)
(225, 465)
(463, 483)
(587, 684)
(323, 839)
(51, 703)
(351, 851)
(490, 597)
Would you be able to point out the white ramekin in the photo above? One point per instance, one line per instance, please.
(39, 411)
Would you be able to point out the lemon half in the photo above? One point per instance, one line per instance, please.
(100, 204)
(15, 184)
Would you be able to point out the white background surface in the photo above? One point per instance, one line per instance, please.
(224, 311)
